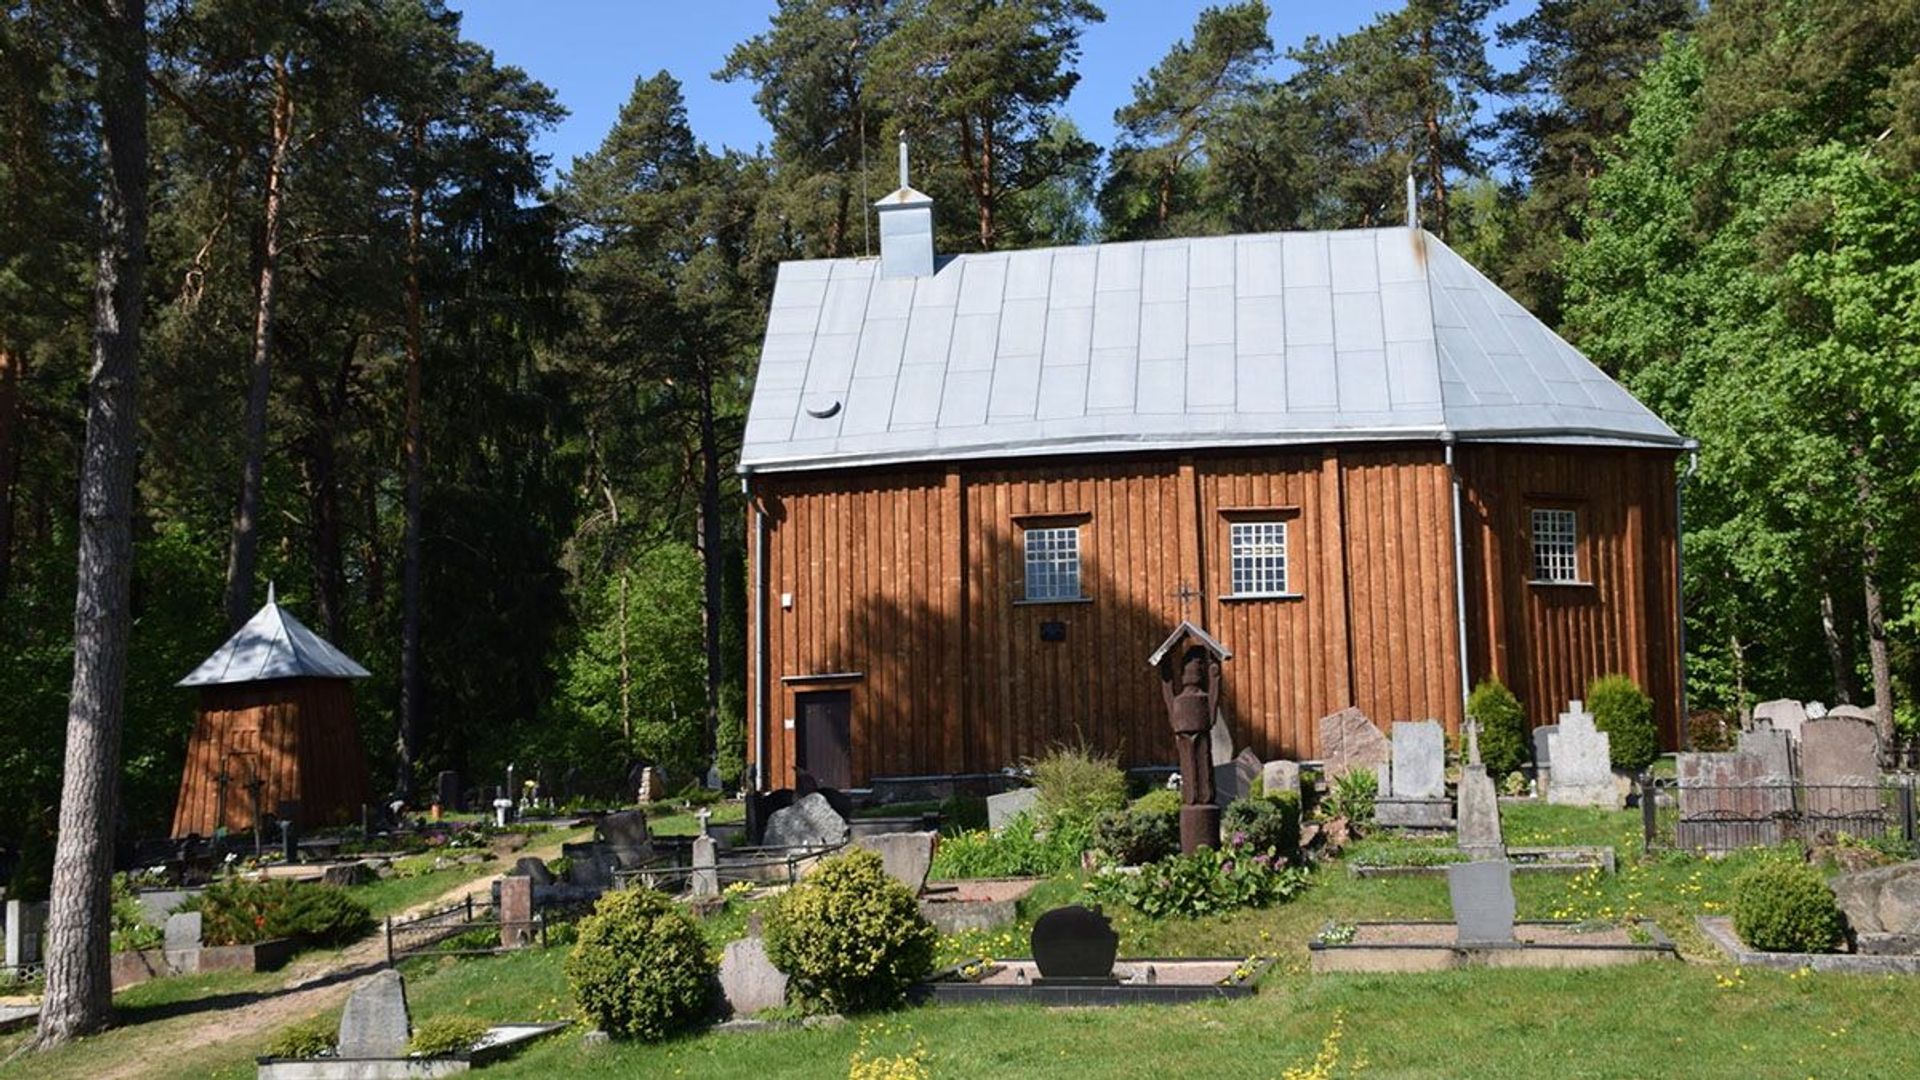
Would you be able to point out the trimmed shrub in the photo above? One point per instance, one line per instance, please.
(1781, 906)
(1163, 800)
(1077, 784)
(1137, 836)
(849, 937)
(445, 1036)
(236, 912)
(641, 969)
(312, 1037)
(1625, 712)
(1503, 727)
(1264, 823)
(1353, 795)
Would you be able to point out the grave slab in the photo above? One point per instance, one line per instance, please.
(1419, 760)
(1482, 895)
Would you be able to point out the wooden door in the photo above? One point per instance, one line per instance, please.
(824, 741)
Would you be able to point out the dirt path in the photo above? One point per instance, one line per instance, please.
(311, 987)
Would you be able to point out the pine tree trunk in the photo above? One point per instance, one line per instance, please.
(79, 996)
(320, 476)
(12, 415)
(243, 551)
(712, 563)
(415, 449)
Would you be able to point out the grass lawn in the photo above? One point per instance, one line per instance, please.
(415, 882)
(1702, 1018)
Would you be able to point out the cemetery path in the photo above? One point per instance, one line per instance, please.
(310, 987)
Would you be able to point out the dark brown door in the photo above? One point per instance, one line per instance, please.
(825, 736)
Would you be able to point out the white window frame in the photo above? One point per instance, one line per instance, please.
(1257, 558)
(1051, 556)
(1556, 545)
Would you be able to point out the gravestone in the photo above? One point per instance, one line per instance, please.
(1478, 814)
(760, 807)
(1542, 752)
(1482, 894)
(1840, 766)
(1419, 760)
(1007, 805)
(907, 856)
(447, 790)
(809, 822)
(1348, 740)
(1280, 777)
(516, 911)
(1731, 800)
(748, 980)
(1783, 714)
(705, 879)
(627, 838)
(375, 1023)
(1221, 740)
(183, 931)
(534, 869)
(1235, 779)
(1851, 712)
(1772, 746)
(588, 865)
(1582, 762)
(651, 785)
(1074, 945)
(26, 925)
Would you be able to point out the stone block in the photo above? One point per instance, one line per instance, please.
(809, 822)
(1348, 740)
(1542, 745)
(907, 855)
(627, 839)
(375, 1023)
(1419, 760)
(1424, 814)
(1840, 765)
(534, 869)
(183, 931)
(1007, 805)
(1482, 895)
(1279, 777)
(748, 980)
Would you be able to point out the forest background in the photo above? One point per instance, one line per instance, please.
(478, 419)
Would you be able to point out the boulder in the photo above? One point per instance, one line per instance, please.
(1007, 805)
(809, 822)
(1883, 900)
(1347, 741)
(627, 838)
(345, 874)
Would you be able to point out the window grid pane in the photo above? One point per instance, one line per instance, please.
(1259, 557)
(1053, 563)
(1555, 555)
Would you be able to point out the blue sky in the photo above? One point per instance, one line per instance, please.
(590, 52)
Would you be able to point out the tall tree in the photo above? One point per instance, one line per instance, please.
(1181, 106)
(79, 996)
(986, 76)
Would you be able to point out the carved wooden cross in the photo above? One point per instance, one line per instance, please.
(1186, 594)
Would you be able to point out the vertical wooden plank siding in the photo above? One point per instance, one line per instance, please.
(298, 735)
(1546, 642)
(915, 581)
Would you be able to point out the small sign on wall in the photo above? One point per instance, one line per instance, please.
(787, 723)
(1053, 631)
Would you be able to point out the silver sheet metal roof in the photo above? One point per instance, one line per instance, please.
(1271, 339)
(273, 645)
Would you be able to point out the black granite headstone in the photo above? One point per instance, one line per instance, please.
(1074, 945)
(447, 791)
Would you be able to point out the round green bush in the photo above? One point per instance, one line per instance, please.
(1269, 823)
(1503, 726)
(312, 1037)
(849, 937)
(1625, 712)
(641, 969)
(1076, 783)
(1137, 836)
(1781, 906)
(1162, 800)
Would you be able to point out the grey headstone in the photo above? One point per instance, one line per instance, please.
(1348, 740)
(1783, 714)
(183, 931)
(1839, 751)
(627, 838)
(1482, 894)
(533, 867)
(1419, 760)
(375, 1023)
(1852, 712)
(1478, 814)
(1542, 751)
(1582, 763)
(1222, 740)
(26, 925)
(809, 822)
(590, 869)
(1007, 805)
(1731, 799)
(748, 979)
(1773, 747)
(1235, 779)
(908, 856)
(1278, 777)
(705, 879)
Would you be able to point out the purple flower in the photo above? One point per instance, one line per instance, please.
(1227, 867)
(1239, 838)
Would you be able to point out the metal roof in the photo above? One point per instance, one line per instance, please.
(273, 645)
(1268, 339)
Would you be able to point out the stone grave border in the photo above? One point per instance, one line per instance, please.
(1719, 930)
(952, 987)
(1327, 958)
